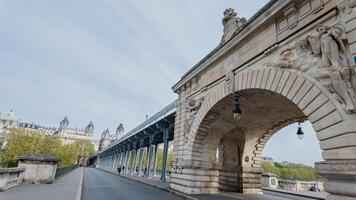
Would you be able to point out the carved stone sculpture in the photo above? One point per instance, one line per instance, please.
(192, 109)
(232, 23)
(323, 56)
(230, 81)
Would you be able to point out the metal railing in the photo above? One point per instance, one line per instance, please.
(64, 170)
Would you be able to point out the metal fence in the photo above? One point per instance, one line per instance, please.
(63, 170)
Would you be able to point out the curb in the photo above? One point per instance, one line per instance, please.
(182, 195)
(79, 191)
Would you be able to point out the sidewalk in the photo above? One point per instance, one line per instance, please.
(65, 188)
(316, 195)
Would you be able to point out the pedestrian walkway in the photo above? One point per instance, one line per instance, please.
(316, 195)
(65, 188)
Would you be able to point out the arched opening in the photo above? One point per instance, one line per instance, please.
(219, 153)
(288, 163)
(305, 151)
(234, 147)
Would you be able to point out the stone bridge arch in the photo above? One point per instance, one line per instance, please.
(307, 93)
(200, 173)
(300, 55)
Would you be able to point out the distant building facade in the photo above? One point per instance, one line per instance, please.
(69, 135)
(107, 138)
(119, 132)
(266, 158)
(96, 144)
(64, 132)
(8, 121)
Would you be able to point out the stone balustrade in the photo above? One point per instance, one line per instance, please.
(10, 177)
(299, 185)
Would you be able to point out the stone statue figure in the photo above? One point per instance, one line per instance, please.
(232, 23)
(333, 56)
(192, 109)
(322, 55)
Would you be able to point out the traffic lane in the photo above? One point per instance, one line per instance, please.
(98, 185)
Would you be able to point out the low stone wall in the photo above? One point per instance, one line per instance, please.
(10, 177)
(40, 168)
(299, 185)
(39, 173)
(269, 180)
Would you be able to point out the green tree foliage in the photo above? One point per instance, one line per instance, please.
(291, 171)
(19, 142)
(159, 159)
(83, 150)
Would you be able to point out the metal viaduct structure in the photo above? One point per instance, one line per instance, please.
(128, 151)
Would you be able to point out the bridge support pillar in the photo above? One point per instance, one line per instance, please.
(129, 162)
(140, 160)
(155, 161)
(341, 175)
(126, 160)
(195, 177)
(119, 159)
(250, 180)
(108, 161)
(165, 154)
(133, 162)
(115, 161)
(149, 160)
(111, 162)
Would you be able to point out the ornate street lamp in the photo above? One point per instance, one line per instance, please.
(300, 132)
(236, 112)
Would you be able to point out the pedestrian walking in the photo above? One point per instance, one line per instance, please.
(119, 169)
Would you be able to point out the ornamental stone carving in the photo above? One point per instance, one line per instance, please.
(230, 81)
(323, 56)
(232, 23)
(192, 109)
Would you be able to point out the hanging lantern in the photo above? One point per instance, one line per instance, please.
(300, 132)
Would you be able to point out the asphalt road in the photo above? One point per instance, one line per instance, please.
(99, 185)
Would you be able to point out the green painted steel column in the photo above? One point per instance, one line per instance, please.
(155, 161)
(165, 154)
(149, 160)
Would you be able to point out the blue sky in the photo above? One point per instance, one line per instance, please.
(112, 61)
